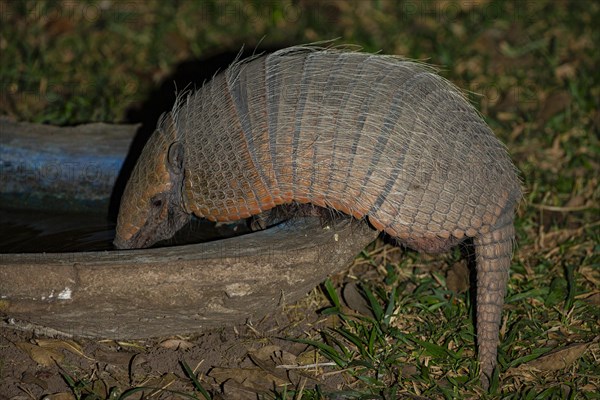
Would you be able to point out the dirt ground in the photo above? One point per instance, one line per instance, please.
(234, 362)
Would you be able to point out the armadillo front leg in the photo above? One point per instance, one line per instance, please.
(493, 254)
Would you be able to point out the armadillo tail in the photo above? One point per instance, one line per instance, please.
(493, 252)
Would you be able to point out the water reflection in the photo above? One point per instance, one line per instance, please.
(28, 231)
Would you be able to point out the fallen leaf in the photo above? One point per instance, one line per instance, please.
(593, 299)
(235, 390)
(457, 278)
(265, 353)
(113, 357)
(558, 359)
(100, 389)
(42, 356)
(176, 344)
(554, 104)
(576, 201)
(409, 370)
(160, 383)
(264, 358)
(69, 345)
(355, 300)
(284, 357)
(308, 357)
(31, 378)
(139, 368)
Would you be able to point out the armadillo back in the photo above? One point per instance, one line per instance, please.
(368, 135)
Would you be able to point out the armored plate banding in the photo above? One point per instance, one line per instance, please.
(372, 136)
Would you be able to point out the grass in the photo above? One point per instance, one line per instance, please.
(374, 348)
(422, 342)
(530, 67)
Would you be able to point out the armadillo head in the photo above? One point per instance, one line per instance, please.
(152, 207)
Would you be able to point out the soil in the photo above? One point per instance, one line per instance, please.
(234, 362)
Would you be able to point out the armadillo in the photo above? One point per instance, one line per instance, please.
(377, 137)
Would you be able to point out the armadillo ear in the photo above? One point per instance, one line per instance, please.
(175, 158)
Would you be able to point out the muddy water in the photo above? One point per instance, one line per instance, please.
(28, 231)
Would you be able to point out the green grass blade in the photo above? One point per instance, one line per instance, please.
(571, 286)
(435, 350)
(373, 303)
(390, 308)
(190, 374)
(130, 392)
(356, 340)
(535, 354)
(332, 294)
(328, 351)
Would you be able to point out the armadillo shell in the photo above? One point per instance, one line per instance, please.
(368, 135)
